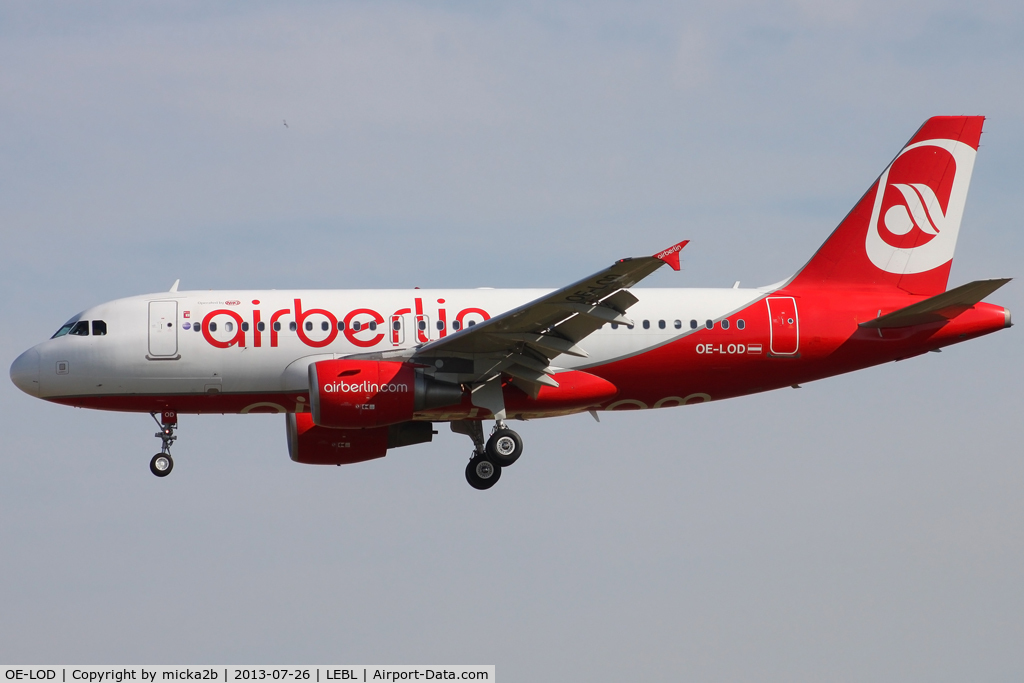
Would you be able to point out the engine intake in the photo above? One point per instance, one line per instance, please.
(360, 394)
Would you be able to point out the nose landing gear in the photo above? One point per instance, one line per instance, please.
(162, 463)
(501, 450)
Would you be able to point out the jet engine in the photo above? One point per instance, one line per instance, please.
(313, 445)
(361, 394)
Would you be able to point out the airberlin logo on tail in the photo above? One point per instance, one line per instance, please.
(918, 206)
(917, 212)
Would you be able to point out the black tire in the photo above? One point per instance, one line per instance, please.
(482, 474)
(504, 447)
(161, 464)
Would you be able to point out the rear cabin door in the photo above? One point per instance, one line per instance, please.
(785, 326)
(163, 329)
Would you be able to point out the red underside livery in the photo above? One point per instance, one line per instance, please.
(359, 372)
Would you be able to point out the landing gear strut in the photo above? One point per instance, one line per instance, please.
(502, 449)
(161, 464)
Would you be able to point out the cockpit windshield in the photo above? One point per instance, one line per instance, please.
(62, 331)
(80, 328)
(66, 327)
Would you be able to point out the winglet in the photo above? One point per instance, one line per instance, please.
(671, 255)
(174, 287)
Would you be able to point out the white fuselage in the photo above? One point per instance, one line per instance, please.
(152, 346)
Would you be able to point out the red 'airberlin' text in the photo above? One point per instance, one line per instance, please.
(320, 327)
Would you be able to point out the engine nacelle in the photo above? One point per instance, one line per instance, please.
(313, 445)
(362, 394)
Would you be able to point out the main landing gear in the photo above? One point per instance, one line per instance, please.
(162, 463)
(502, 449)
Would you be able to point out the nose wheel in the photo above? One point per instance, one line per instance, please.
(162, 463)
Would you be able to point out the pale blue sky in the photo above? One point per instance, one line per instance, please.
(867, 527)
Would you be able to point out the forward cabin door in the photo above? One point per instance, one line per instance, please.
(785, 326)
(163, 330)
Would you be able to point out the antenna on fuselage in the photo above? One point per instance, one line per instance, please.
(174, 287)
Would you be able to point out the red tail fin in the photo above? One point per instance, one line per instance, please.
(902, 232)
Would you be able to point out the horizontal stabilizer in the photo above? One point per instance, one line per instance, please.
(941, 307)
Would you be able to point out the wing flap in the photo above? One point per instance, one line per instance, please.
(549, 344)
(606, 314)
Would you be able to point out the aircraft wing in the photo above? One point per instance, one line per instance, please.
(522, 341)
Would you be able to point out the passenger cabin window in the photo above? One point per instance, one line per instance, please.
(99, 328)
(647, 324)
(397, 325)
(292, 326)
(245, 327)
(693, 324)
(341, 326)
(277, 327)
(440, 326)
(472, 322)
(261, 326)
(661, 324)
(740, 324)
(710, 324)
(309, 326)
(373, 325)
(678, 324)
(80, 329)
(725, 324)
(324, 326)
(213, 327)
(423, 324)
(456, 325)
(198, 327)
(357, 326)
(229, 326)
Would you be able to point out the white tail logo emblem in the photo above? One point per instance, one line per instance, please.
(921, 208)
(919, 197)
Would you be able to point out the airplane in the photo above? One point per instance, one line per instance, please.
(359, 372)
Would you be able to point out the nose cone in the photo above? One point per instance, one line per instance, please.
(25, 372)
